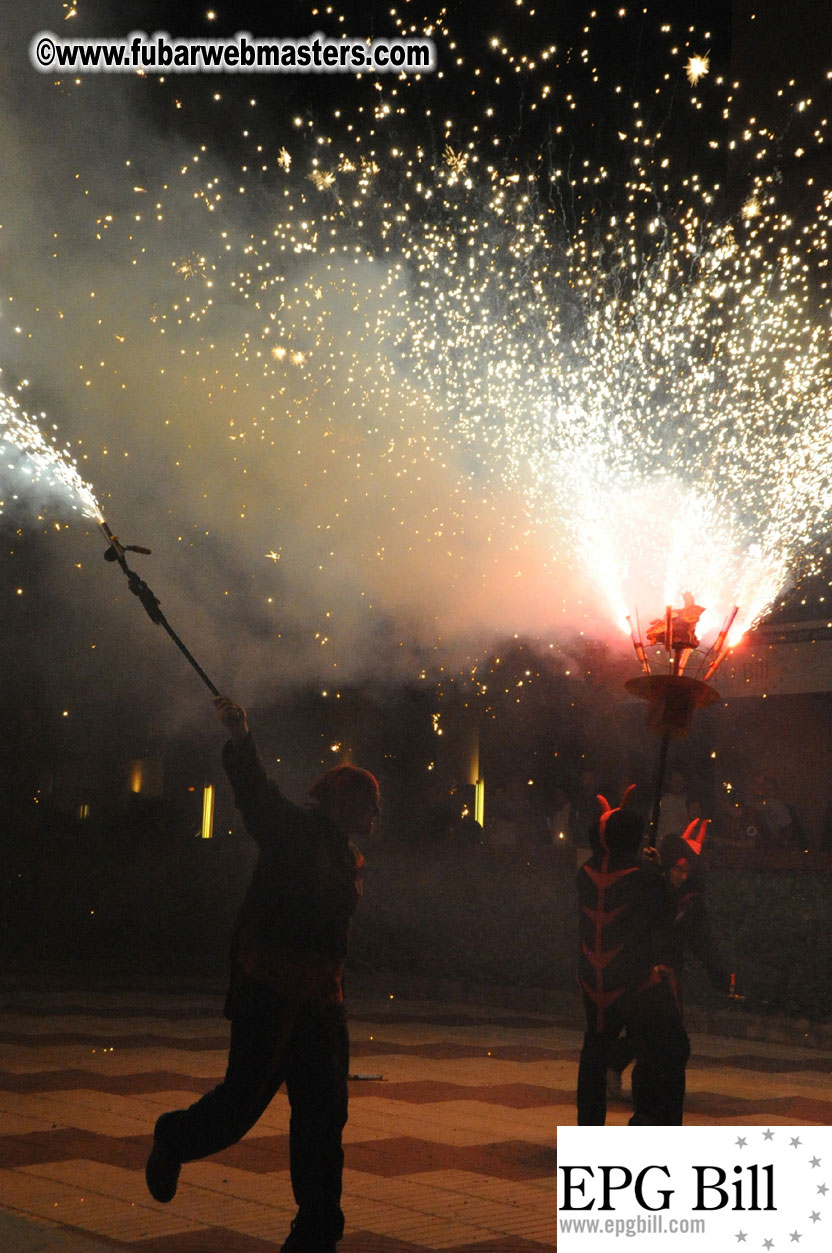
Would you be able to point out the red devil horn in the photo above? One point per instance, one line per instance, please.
(606, 810)
(626, 794)
(695, 842)
(703, 831)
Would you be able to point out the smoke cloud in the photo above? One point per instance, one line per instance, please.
(305, 526)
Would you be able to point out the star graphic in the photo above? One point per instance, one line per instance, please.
(823, 1189)
(815, 1216)
(768, 1244)
(794, 1236)
(768, 1135)
(741, 1235)
(795, 1142)
(741, 1142)
(815, 1161)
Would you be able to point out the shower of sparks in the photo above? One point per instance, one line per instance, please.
(602, 336)
(686, 440)
(33, 467)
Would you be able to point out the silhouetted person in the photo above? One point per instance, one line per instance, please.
(690, 932)
(691, 925)
(285, 998)
(625, 920)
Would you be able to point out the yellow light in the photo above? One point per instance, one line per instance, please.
(479, 801)
(207, 811)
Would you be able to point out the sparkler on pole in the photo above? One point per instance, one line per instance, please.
(674, 696)
(638, 646)
(47, 464)
(719, 652)
(150, 603)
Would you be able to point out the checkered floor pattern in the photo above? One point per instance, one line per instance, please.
(450, 1143)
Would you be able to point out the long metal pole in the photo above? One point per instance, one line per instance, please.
(150, 602)
(657, 791)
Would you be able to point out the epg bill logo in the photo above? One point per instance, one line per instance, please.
(709, 1195)
(716, 1187)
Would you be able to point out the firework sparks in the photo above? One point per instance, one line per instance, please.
(191, 267)
(696, 68)
(34, 465)
(456, 162)
(323, 179)
(460, 326)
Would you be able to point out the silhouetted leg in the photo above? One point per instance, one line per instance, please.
(662, 1050)
(260, 1039)
(316, 1083)
(592, 1075)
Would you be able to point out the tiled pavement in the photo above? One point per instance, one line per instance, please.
(452, 1148)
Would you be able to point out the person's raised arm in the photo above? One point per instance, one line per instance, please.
(256, 796)
(233, 718)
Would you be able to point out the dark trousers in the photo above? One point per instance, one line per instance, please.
(305, 1045)
(661, 1048)
(621, 1054)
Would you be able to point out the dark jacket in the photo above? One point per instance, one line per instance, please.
(691, 926)
(692, 933)
(625, 916)
(293, 925)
